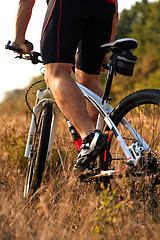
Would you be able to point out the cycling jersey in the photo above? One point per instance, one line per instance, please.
(68, 24)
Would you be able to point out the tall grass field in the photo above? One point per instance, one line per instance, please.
(65, 208)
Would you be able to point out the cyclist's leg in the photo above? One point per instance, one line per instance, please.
(60, 37)
(62, 31)
(91, 82)
(98, 30)
(68, 96)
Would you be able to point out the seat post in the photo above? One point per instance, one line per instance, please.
(108, 85)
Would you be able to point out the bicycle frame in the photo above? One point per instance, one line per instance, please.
(140, 157)
(104, 111)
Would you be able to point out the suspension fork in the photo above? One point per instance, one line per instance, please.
(32, 130)
(54, 125)
(33, 126)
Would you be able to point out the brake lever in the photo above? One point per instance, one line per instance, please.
(32, 55)
(20, 57)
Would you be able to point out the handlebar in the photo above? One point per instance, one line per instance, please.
(32, 55)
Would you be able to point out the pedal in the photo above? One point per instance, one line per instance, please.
(88, 174)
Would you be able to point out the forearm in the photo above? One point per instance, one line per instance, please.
(115, 22)
(22, 19)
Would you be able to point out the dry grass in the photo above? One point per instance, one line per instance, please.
(63, 208)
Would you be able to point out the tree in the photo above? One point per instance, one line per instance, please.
(129, 18)
(142, 22)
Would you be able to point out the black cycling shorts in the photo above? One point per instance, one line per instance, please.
(69, 24)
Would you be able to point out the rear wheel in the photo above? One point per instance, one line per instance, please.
(38, 152)
(142, 110)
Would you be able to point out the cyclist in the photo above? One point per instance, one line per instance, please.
(69, 24)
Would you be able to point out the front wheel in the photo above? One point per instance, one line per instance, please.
(38, 152)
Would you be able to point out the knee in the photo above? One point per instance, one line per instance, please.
(55, 73)
(52, 72)
(53, 81)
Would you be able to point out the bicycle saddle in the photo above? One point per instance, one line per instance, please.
(125, 43)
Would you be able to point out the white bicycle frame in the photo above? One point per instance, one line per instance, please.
(132, 153)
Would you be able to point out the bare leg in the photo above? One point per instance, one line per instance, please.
(91, 82)
(68, 96)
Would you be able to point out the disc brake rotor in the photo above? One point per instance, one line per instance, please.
(147, 165)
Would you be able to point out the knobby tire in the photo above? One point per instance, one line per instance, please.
(40, 146)
(142, 110)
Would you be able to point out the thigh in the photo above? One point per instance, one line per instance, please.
(61, 31)
(97, 31)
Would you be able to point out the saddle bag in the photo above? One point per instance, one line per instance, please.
(123, 63)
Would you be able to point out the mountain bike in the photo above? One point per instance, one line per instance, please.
(132, 127)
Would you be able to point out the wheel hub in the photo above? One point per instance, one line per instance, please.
(147, 165)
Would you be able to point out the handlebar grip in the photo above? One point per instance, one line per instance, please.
(13, 48)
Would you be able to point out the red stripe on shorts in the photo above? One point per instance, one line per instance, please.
(48, 20)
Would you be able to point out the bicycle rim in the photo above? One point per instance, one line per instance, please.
(39, 151)
(142, 110)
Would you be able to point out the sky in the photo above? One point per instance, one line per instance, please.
(16, 73)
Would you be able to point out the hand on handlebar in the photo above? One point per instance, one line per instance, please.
(25, 51)
(24, 48)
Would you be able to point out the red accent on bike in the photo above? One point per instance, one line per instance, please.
(124, 167)
(105, 153)
(78, 144)
(105, 158)
(119, 171)
(108, 138)
(48, 20)
(111, 1)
